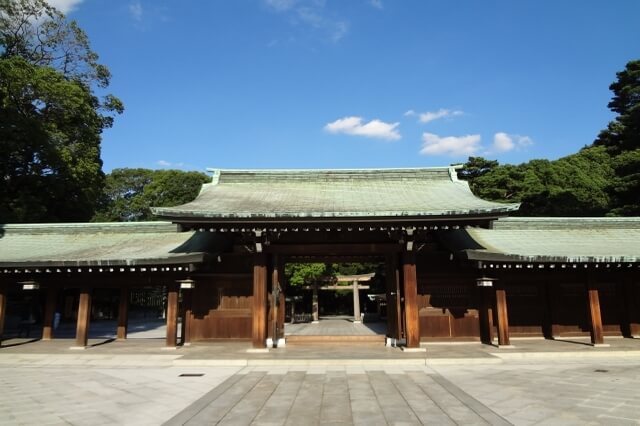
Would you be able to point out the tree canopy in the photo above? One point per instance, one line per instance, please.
(129, 194)
(51, 118)
(600, 179)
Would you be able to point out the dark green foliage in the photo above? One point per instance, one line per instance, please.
(50, 118)
(299, 274)
(130, 193)
(601, 179)
(622, 139)
(575, 185)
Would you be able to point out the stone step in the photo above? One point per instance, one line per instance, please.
(309, 339)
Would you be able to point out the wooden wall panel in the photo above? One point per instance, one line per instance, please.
(222, 308)
(526, 302)
(448, 303)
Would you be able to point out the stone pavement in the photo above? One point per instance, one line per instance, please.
(139, 383)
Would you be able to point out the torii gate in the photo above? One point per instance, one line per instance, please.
(355, 281)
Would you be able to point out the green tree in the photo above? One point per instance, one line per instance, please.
(130, 193)
(622, 139)
(575, 185)
(299, 274)
(51, 119)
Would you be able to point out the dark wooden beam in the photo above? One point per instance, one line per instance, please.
(502, 316)
(84, 318)
(595, 318)
(259, 322)
(172, 315)
(412, 320)
(123, 313)
(49, 313)
(328, 250)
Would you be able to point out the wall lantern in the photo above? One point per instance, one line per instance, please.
(187, 284)
(485, 282)
(29, 285)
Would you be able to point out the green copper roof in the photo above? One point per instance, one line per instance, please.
(581, 240)
(104, 244)
(350, 194)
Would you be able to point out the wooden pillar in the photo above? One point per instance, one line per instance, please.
(412, 319)
(172, 315)
(393, 298)
(356, 302)
(49, 313)
(84, 318)
(259, 323)
(594, 313)
(187, 309)
(276, 307)
(123, 313)
(282, 300)
(502, 316)
(3, 309)
(486, 315)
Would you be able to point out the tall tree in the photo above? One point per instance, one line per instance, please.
(622, 138)
(602, 178)
(129, 194)
(51, 118)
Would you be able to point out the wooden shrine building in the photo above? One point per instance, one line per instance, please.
(456, 267)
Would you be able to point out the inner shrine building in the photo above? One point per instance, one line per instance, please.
(456, 267)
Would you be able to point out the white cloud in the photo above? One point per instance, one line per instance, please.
(64, 6)
(453, 146)
(136, 10)
(503, 142)
(168, 164)
(409, 113)
(311, 14)
(376, 3)
(373, 129)
(426, 117)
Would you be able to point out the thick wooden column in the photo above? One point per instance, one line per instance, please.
(172, 315)
(486, 315)
(49, 313)
(502, 316)
(3, 309)
(84, 318)
(187, 308)
(275, 328)
(259, 323)
(393, 298)
(597, 337)
(412, 320)
(123, 314)
(281, 314)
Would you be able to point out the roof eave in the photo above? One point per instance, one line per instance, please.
(487, 256)
(191, 258)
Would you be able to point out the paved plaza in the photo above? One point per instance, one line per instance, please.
(137, 382)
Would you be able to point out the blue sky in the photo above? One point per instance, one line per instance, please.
(355, 83)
